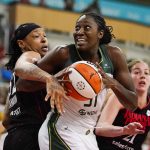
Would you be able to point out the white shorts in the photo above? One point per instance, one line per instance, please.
(2, 138)
(71, 139)
(43, 137)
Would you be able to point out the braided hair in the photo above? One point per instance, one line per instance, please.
(108, 36)
(20, 33)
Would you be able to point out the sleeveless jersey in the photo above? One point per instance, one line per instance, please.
(106, 63)
(128, 142)
(25, 108)
(80, 116)
(86, 112)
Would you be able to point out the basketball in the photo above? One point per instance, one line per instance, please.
(86, 81)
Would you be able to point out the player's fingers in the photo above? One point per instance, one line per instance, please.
(65, 94)
(64, 74)
(64, 81)
(101, 71)
(135, 125)
(52, 102)
(60, 100)
(138, 131)
(97, 65)
(135, 128)
(58, 104)
(49, 93)
(47, 97)
(138, 125)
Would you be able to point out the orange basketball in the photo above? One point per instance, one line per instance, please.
(86, 81)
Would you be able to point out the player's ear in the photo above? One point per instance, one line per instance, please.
(21, 44)
(101, 33)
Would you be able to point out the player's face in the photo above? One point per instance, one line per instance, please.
(141, 76)
(86, 34)
(37, 41)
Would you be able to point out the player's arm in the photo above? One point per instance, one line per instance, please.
(54, 60)
(122, 84)
(30, 71)
(104, 126)
(27, 69)
(124, 88)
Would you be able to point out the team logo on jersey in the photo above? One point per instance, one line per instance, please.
(83, 112)
(106, 66)
(148, 113)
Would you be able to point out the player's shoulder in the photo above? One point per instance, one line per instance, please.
(114, 51)
(62, 50)
(31, 54)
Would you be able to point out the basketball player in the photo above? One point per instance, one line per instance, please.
(120, 116)
(27, 110)
(74, 129)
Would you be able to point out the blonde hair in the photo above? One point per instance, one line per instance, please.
(135, 61)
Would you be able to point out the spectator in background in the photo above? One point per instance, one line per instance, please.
(68, 5)
(25, 1)
(94, 7)
(115, 113)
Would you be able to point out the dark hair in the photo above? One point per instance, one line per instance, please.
(107, 37)
(15, 51)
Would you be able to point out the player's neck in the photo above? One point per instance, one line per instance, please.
(142, 100)
(95, 58)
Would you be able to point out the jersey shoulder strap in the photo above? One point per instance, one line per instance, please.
(106, 62)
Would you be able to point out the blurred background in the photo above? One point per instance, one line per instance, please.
(130, 20)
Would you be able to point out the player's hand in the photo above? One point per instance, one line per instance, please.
(62, 74)
(133, 128)
(62, 78)
(56, 93)
(108, 81)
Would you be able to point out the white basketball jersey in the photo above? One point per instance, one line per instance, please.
(82, 114)
(76, 125)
